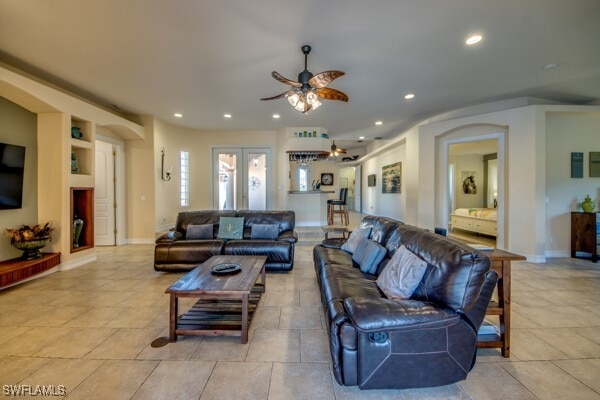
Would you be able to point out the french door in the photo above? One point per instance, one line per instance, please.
(242, 178)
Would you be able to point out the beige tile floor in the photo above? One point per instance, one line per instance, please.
(90, 329)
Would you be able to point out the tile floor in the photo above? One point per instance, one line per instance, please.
(90, 329)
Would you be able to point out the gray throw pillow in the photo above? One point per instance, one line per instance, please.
(402, 275)
(264, 231)
(199, 232)
(231, 228)
(352, 242)
(368, 255)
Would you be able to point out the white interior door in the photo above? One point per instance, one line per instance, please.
(242, 178)
(104, 195)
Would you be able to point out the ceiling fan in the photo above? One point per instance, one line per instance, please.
(306, 92)
(335, 151)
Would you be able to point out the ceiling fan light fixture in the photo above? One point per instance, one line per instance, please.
(311, 98)
(300, 105)
(305, 93)
(293, 99)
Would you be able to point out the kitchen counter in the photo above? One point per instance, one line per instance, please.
(310, 191)
(310, 207)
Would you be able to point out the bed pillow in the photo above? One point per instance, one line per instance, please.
(351, 244)
(402, 275)
(264, 231)
(231, 228)
(199, 232)
(368, 255)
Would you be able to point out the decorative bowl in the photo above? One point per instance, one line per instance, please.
(31, 248)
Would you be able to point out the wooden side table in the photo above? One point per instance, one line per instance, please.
(501, 263)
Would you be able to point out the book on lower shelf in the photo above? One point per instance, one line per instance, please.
(480, 247)
(488, 328)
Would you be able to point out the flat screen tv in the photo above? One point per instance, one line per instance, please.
(12, 167)
(371, 180)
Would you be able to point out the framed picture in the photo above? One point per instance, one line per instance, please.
(469, 182)
(327, 179)
(391, 178)
(594, 164)
(371, 180)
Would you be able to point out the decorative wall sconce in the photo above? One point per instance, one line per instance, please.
(165, 176)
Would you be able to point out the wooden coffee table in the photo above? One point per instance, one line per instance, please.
(226, 302)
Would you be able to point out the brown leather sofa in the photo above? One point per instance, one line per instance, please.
(173, 252)
(427, 340)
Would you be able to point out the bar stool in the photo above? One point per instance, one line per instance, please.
(341, 208)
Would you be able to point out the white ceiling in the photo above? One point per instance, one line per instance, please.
(205, 58)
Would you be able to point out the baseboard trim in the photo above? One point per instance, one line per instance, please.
(558, 254)
(139, 241)
(65, 266)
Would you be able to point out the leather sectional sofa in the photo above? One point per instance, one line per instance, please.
(427, 340)
(173, 252)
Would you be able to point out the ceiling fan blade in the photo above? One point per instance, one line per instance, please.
(279, 96)
(323, 79)
(331, 94)
(282, 79)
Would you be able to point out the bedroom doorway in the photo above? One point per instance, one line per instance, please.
(473, 186)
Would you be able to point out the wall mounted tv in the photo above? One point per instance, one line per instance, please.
(12, 167)
(371, 180)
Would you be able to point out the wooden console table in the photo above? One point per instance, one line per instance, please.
(16, 270)
(501, 261)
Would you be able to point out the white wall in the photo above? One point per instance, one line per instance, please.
(529, 149)
(566, 133)
(19, 127)
(375, 202)
(199, 144)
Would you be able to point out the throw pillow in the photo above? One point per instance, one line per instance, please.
(368, 255)
(264, 231)
(231, 228)
(401, 277)
(352, 242)
(199, 232)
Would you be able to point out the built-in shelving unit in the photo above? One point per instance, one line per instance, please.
(82, 206)
(82, 153)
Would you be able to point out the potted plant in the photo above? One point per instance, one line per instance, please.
(30, 239)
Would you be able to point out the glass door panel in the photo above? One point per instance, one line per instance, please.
(242, 178)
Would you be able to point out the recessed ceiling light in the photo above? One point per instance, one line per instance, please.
(409, 96)
(227, 115)
(550, 66)
(276, 116)
(361, 138)
(177, 115)
(378, 123)
(473, 39)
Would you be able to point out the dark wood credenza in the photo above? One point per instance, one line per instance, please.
(15, 270)
(585, 234)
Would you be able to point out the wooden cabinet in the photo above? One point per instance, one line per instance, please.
(585, 234)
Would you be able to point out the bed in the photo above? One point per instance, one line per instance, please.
(478, 220)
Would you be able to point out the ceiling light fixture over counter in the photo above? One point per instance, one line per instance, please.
(409, 96)
(305, 93)
(227, 115)
(378, 123)
(177, 115)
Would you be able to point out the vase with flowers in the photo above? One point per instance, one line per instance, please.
(30, 239)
